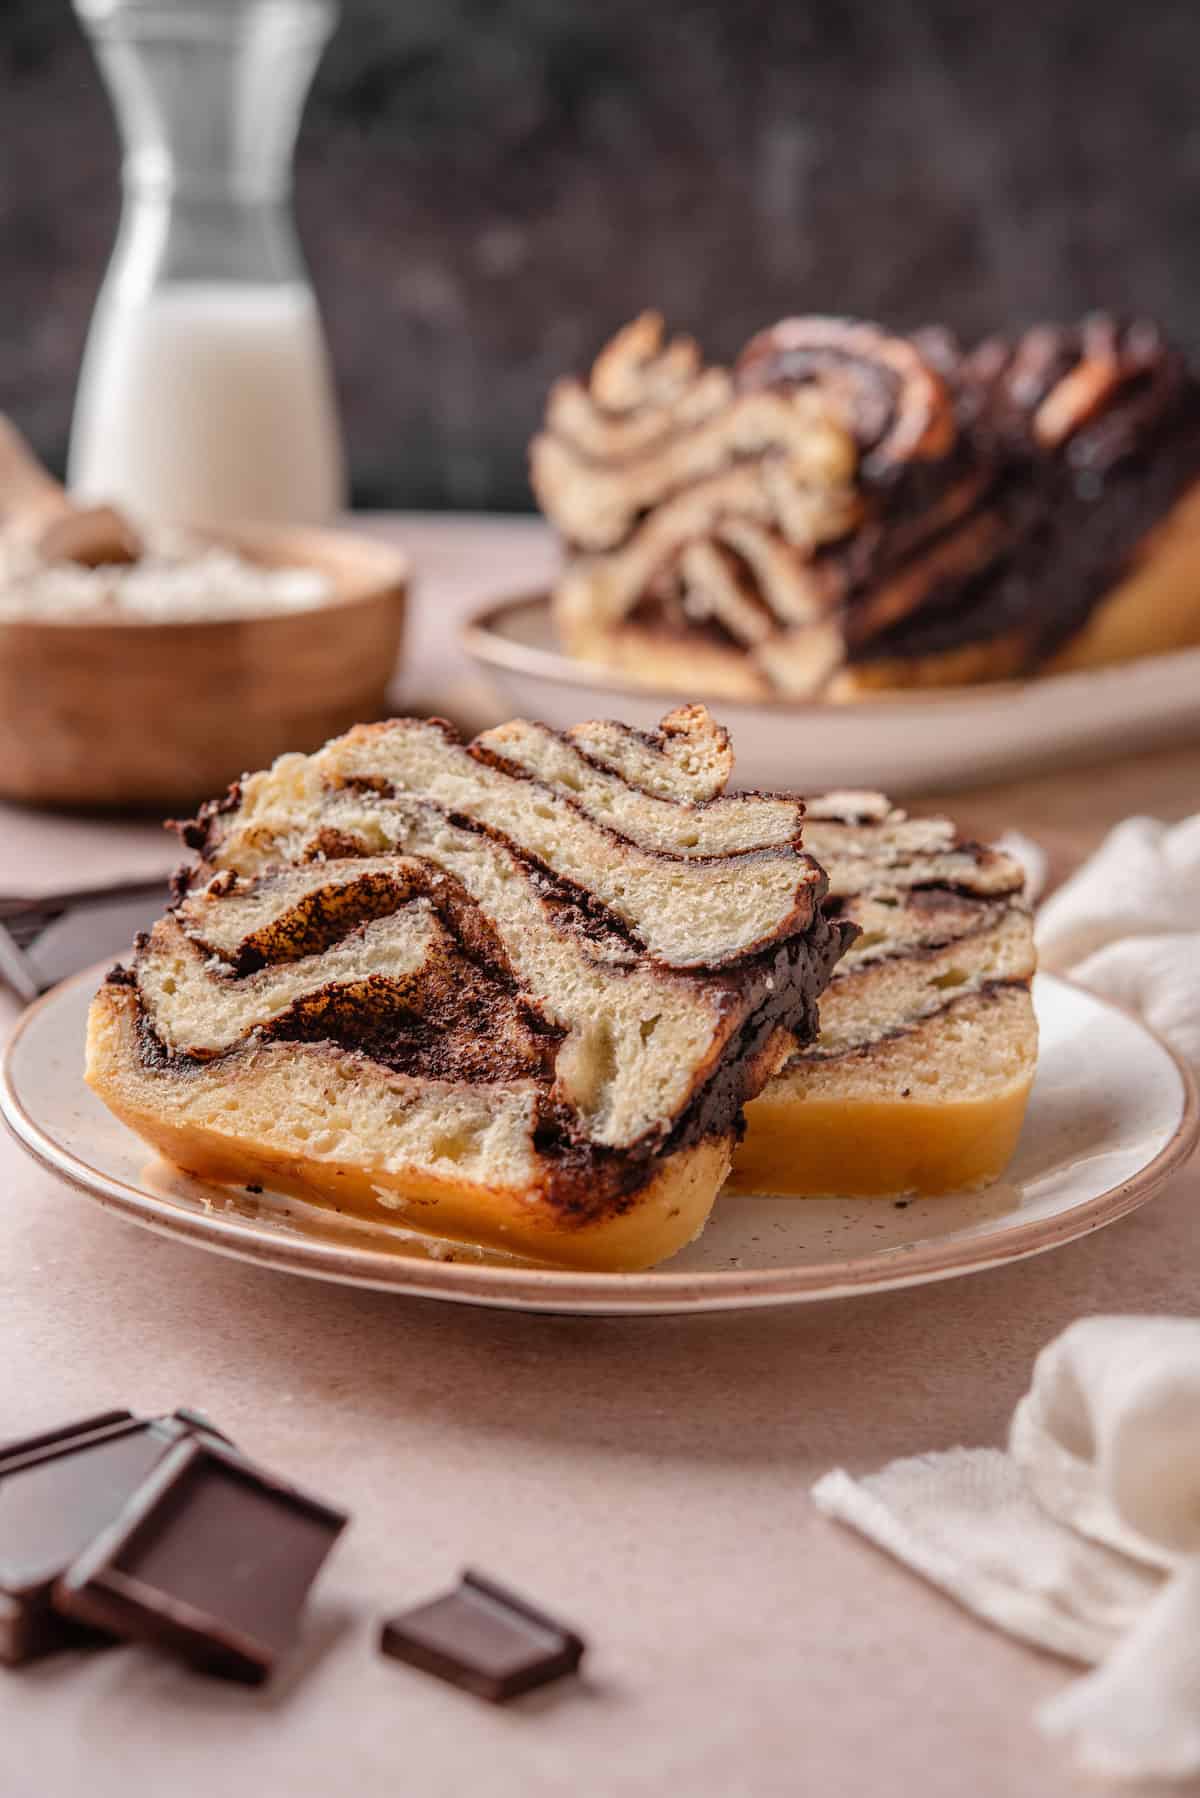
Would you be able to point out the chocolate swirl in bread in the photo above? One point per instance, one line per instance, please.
(999, 502)
(893, 401)
(715, 506)
(942, 921)
(1100, 391)
(528, 982)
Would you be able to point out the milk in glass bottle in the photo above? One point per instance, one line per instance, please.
(206, 395)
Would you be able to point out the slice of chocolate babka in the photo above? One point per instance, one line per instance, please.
(514, 992)
(846, 510)
(919, 1079)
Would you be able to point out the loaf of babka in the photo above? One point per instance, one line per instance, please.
(847, 510)
(514, 992)
(918, 1081)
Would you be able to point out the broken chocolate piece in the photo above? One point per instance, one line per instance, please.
(48, 1442)
(213, 1560)
(57, 1490)
(484, 1640)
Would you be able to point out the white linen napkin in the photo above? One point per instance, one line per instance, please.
(1084, 1538)
(1128, 926)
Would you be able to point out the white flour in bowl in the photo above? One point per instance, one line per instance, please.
(175, 582)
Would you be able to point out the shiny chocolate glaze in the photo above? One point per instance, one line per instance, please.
(893, 400)
(1089, 436)
(1005, 490)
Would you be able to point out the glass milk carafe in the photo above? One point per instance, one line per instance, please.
(206, 395)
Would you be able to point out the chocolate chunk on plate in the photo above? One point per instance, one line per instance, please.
(58, 1490)
(483, 1639)
(212, 1560)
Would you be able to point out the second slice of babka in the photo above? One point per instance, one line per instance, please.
(514, 992)
(919, 1079)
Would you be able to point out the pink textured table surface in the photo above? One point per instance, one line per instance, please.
(647, 1479)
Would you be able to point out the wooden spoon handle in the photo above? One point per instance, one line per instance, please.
(30, 497)
(36, 509)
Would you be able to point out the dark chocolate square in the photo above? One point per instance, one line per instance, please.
(483, 1639)
(213, 1560)
(57, 1492)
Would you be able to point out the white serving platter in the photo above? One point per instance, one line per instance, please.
(926, 741)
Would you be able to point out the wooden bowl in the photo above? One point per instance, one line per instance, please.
(117, 713)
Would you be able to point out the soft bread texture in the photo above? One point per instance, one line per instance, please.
(722, 882)
(524, 986)
(848, 511)
(300, 1119)
(919, 1079)
(936, 1110)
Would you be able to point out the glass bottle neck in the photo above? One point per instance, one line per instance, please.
(208, 96)
(168, 235)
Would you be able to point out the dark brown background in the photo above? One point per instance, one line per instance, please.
(485, 190)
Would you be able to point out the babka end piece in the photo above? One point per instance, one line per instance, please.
(920, 1077)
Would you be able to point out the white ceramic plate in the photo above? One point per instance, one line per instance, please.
(1112, 1114)
(943, 738)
